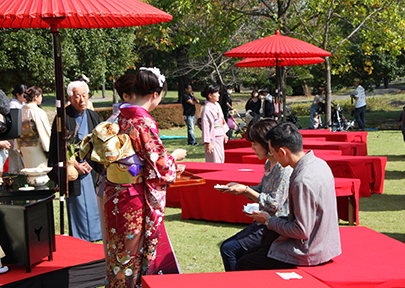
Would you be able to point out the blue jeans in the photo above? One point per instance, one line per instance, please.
(360, 116)
(231, 251)
(190, 122)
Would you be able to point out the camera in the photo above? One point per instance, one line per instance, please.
(12, 123)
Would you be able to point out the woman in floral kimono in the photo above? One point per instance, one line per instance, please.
(135, 190)
(213, 125)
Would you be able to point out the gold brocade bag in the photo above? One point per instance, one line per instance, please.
(105, 145)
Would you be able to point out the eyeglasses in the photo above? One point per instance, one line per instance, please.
(77, 96)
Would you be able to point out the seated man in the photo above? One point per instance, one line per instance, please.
(310, 234)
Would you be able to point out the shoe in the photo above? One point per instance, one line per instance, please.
(195, 144)
(3, 269)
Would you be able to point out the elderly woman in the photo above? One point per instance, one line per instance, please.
(83, 215)
(36, 131)
(271, 194)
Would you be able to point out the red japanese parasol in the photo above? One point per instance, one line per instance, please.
(78, 13)
(55, 14)
(266, 62)
(277, 46)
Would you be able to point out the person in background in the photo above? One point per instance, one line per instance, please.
(316, 121)
(309, 236)
(268, 104)
(359, 96)
(15, 161)
(4, 145)
(316, 104)
(35, 131)
(254, 103)
(213, 126)
(3, 269)
(188, 101)
(271, 194)
(134, 200)
(226, 106)
(19, 99)
(83, 215)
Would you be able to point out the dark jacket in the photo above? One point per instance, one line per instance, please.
(93, 120)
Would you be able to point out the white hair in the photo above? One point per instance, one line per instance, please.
(76, 84)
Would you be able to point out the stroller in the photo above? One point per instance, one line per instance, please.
(238, 127)
(292, 118)
(340, 122)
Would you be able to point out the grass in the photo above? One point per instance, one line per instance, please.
(196, 242)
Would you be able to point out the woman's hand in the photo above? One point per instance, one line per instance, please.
(83, 168)
(179, 154)
(5, 144)
(226, 138)
(208, 148)
(236, 189)
(259, 216)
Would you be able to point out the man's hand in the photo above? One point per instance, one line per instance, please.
(259, 216)
(83, 168)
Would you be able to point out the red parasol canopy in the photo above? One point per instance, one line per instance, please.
(265, 62)
(78, 13)
(277, 46)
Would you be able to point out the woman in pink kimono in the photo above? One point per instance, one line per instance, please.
(135, 189)
(213, 126)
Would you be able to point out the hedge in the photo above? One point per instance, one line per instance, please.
(166, 115)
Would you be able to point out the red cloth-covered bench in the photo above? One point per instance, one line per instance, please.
(369, 259)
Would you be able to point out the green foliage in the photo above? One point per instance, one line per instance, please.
(26, 56)
(166, 115)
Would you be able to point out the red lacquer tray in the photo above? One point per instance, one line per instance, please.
(188, 179)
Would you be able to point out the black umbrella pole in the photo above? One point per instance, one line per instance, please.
(60, 124)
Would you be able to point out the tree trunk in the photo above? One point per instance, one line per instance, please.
(182, 61)
(103, 89)
(328, 93)
(115, 95)
(307, 90)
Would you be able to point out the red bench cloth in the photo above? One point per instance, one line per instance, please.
(347, 148)
(345, 136)
(205, 202)
(348, 194)
(236, 155)
(173, 198)
(237, 143)
(369, 259)
(239, 279)
(369, 169)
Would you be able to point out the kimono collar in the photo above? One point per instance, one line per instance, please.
(131, 111)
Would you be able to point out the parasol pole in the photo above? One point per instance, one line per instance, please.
(60, 123)
(278, 87)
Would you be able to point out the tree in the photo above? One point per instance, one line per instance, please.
(322, 21)
(194, 42)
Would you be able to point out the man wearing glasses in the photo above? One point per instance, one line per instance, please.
(83, 215)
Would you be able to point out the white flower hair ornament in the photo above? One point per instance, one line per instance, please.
(156, 71)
